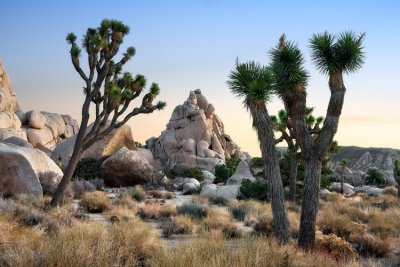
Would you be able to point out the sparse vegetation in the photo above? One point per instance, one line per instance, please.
(193, 209)
(255, 190)
(95, 202)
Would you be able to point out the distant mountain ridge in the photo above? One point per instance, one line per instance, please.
(362, 158)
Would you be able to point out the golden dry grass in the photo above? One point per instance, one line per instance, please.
(216, 220)
(95, 202)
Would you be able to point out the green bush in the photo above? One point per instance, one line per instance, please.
(255, 190)
(374, 176)
(88, 169)
(257, 162)
(59, 164)
(325, 182)
(232, 164)
(221, 174)
(182, 171)
(138, 193)
(193, 209)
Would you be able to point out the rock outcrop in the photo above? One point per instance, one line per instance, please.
(194, 137)
(242, 172)
(8, 99)
(126, 168)
(105, 147)
(42, 129)
(361, 159)
(26, 170)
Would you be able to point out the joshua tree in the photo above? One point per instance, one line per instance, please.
(110, 91)
(343, 164)
(282, 125)
(396, 173)
(255, 83)
(333, 56)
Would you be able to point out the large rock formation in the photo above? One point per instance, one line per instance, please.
(194, 136)
(26, 170)
(361, 159)
(42, 129)
(126, 168)
(8, 99)
(105, 147)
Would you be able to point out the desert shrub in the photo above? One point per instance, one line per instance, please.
(98, 183)
(223, 222)
(201, 199)
(339, 224)
(88, 168)
(19, 244)
(232, 163)
(126, 200)
(59, 164)
(155, 211)
(96, 244)
(193, 209)
(325, 182)
(28, 216)
(95, 202)
(263, 225)
(220, 201)
(257, 162)
(5, 204)
(385, 223)
(184, 171)
(390, 190)
(374, 176)
(238, 212)
(48, 183)
(340, 248)
(221, 174)
(212, 249)
(179, 225)
(79, 187)
(370, 246)
(254, 190)
(161, 194)
(138, 193)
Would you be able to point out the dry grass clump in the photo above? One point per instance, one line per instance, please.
(138, 193)
(390, 190)
(212, 249)
(223, 222)
(334, 197)
(179, 225)
(386, 223)
(370, 246)
(201, 199)
(27, 215)
(18, 244)
(263, 226)
(155, 211)
(337, 247)
(126, 201)
(294, 223)
(96, 244)
(249, 208)
(79, 187)
(193, 209)
(161, 194)
(331, 222)
(95, 202)
(122, 212)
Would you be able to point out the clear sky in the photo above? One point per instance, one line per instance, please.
(185, 45)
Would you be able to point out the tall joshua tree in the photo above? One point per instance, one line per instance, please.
(255, 84)
(282, 124)
(110, 91)
(333, 56)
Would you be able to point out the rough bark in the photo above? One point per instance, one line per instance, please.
(263, 126)
(58, 195)
(292, 175)
(309, 206)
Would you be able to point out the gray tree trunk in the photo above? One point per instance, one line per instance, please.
(262, 124)
(58, 195)
(309, 206)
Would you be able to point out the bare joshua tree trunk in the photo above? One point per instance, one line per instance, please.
(309, 207)
(262, 124)
(69, 171)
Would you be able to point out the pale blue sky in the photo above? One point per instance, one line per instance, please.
(184, 45)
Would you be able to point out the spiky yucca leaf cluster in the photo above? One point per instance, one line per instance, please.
(252, 81)
(343, 53)
(288, 67)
